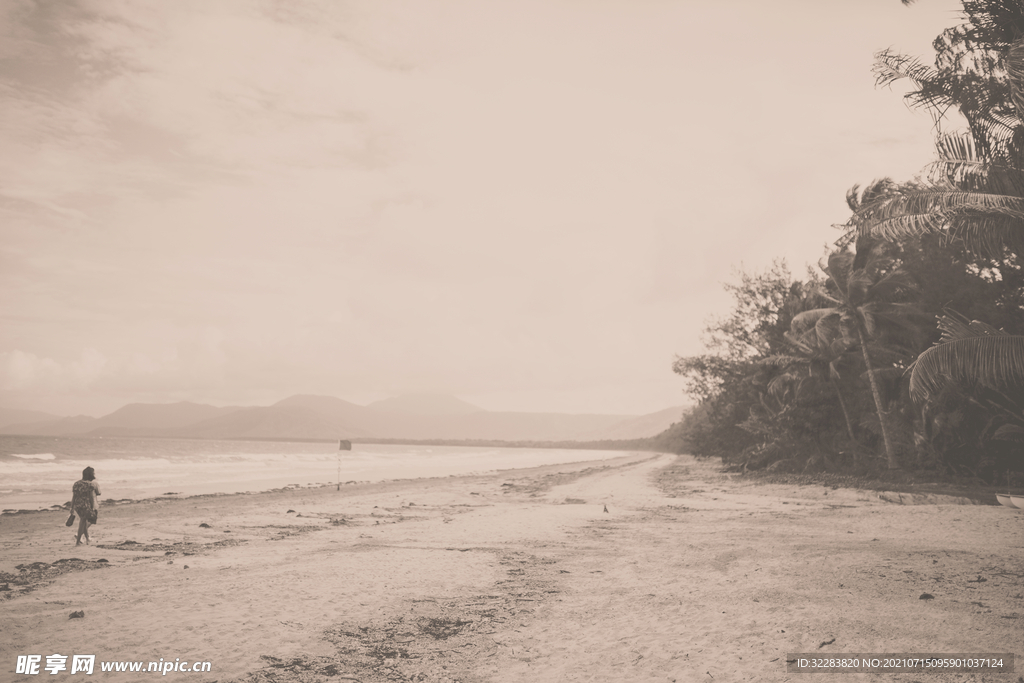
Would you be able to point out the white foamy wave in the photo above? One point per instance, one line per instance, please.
(148, 468)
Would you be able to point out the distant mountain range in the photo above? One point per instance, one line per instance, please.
(413, 417)
(11, 416)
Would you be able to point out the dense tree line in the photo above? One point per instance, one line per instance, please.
(906, 349)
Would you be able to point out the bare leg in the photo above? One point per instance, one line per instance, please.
(83, 527)
(83, 530)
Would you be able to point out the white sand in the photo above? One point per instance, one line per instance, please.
(522, 576)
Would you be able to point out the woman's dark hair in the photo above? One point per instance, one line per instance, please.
(88, 474)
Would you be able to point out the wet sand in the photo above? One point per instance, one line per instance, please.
(643, 568)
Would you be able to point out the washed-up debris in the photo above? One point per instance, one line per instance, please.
(432, 639)
(35, 574)
(183, 547)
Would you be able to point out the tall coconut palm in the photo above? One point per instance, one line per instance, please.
(865, 295)
(974, 191)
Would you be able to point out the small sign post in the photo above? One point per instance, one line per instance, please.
(343, 445)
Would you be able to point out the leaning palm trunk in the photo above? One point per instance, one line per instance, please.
(846, 416)
(889, 453)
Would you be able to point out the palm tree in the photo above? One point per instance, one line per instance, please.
(972, 364)
(974, 191)
(863, 291)
(817, 352)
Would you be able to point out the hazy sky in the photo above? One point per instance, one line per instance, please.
(529, 204)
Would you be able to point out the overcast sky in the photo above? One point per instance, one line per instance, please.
(529, 204)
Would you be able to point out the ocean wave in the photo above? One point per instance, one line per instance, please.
(138, 469)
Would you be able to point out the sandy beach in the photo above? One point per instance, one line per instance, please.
(643, 568)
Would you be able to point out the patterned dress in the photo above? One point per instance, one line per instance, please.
(83, 497)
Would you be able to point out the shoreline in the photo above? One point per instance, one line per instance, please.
(691, 574)
(925, 486)
(639, 443)
(890, 496)
(263, 467)
(173, 496)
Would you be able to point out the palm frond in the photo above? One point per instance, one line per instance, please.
(855, 197)
(1015, 68)
(858, 287)
(983, 159)
(781, 361)
(804, 322)
(893, 285)
(839, 267)
(827, 330)
(942, 199)
(994, 23)
(958, 146)
(995, 125)
(934, 209)
(779, 386)
(954, 326)
(987, 234)
(969, 354)
(975, 175)
(893, 66)
(905, 225)
(840, 346)
(1009, 432)
(931, 93)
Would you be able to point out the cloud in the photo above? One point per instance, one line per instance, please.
(21, 371)
(239, 200)
(192, 365)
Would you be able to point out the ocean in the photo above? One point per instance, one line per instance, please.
(37, 472)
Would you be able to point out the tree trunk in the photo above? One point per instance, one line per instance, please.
(889, 453)
(846, 416)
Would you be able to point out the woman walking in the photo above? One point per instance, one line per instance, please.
(84, 503)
